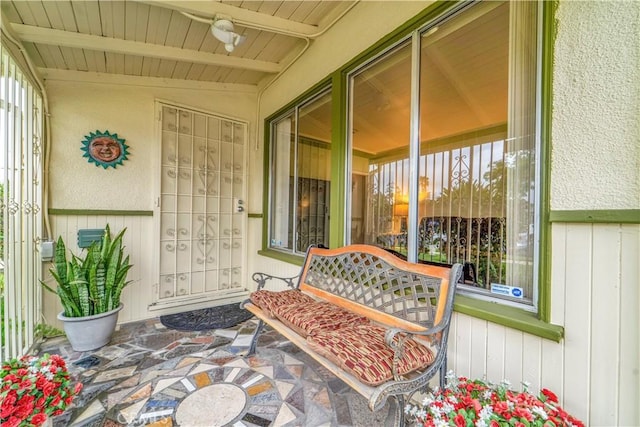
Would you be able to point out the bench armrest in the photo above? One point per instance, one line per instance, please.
(429, 333)
(432, 334)
(262, 278)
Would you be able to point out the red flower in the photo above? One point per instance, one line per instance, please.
(48, 388)
(523, 413)
(460, 421)
(549, 395)
(11, 378)
(38, 419)
(11, 422)
(28, 396)
(23, 410)
(6, 410)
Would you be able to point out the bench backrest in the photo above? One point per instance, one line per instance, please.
(365, 277)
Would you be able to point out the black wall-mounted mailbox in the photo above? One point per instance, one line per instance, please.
(89, 235)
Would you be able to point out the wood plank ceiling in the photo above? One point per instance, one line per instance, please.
(155, 38)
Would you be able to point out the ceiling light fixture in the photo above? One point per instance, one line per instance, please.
(222, 29)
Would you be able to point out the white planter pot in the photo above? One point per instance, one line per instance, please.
(90, 332)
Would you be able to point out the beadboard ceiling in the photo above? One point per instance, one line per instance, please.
(155, 39)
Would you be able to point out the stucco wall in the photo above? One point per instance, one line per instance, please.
(596, 106)
(78, 108)
(363, 26)
(128, 109)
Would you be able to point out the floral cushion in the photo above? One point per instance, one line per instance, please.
(361, 351)
(306, 319)
(268, 301)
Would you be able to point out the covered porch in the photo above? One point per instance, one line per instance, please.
(328, 88)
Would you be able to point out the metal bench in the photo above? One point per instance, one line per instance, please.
(411, 301)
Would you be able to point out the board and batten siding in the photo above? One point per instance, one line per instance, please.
(595, 295)
(139, 241)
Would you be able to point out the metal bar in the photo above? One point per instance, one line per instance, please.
(414, 150)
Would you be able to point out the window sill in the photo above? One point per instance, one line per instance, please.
(282, 256)
(510, 317)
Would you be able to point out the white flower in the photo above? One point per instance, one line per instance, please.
(486, 412)
(540, 412)
(411, 410)
(428, 400)
(448, 407)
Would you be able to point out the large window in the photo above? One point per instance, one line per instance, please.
(451, 173)
(300, 176)
(441, 155)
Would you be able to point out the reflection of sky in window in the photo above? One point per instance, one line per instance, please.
(444, 169)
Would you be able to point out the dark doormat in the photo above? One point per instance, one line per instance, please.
(221, 317)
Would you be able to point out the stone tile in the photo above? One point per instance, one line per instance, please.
(259, 388)
(115, 398)
(94, 409)
(154, 369)
(174, 393)
(164, 422)
(296, 399)
(256, 420)
(130, 413)
(142, 392)
(267, 397)
(201, 379)
(285, 415)
(129, 382)
(244, 376)
(284, 388)
(90, 392)
(115, 374)
(322, 399)
(87, 362)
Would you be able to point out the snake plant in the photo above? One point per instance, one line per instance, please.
(91, 284)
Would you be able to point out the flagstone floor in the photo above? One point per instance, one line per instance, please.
(153, 376)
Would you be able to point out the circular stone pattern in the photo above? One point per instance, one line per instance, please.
(190, 411)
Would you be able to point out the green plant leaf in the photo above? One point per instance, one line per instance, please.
(91, 283)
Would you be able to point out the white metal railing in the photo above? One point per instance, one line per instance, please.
(21, 148)
(461, 207)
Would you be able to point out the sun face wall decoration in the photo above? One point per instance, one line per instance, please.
(104, 149)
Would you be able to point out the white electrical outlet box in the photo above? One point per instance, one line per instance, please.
(47, 249)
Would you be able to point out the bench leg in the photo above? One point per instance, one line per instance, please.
(254, 340)
(443, 372)
(399, 416)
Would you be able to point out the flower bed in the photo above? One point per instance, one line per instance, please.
(464, 402)
(34, 389)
